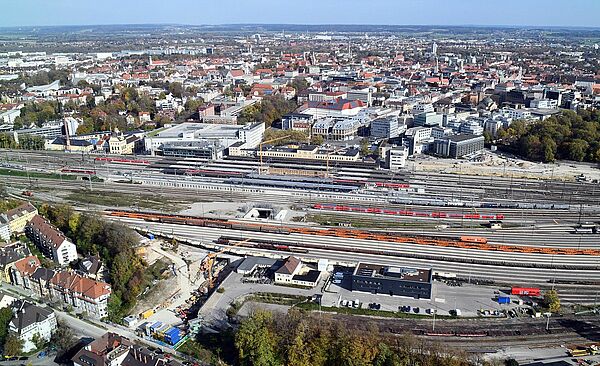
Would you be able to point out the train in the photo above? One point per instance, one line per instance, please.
(437, 215)
(78, 171)
(202, 172)
(476, 243)
(473, 204)
(259, 244)
(123, 160)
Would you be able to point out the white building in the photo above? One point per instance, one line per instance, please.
(51, 241)
(288, 270)
(4, 228)
(396, 157)
(471, 128)
(249, 135)
(515, 114)
(544, 104)
(30, 320)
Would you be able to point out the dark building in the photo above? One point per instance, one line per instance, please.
(458, 146)
(396, 281)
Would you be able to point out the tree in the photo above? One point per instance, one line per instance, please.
(256, 342)
(176, 89)
(63, 337)
(6, 315)
(549, 149)
(511, 362)
(364, 147)
(13, 346)
(38, 341)
(552, 301)
(577, 149)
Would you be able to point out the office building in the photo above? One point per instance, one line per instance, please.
(393, 281)
(458, 146)
(385, 128)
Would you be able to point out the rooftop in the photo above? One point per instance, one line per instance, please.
(399, 273)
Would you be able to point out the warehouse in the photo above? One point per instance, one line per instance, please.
(393, 281)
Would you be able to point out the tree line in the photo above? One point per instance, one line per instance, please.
(268, 110)
(114, 243)
(26, 142)
(568, 135)
(299, 339)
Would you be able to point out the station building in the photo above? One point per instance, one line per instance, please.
(204, 139)
(393, 281)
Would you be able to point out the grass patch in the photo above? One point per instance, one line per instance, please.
(21, 173)
(117, 199)
(279, 299)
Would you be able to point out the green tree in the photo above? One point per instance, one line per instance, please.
(6, 315)
(549, 149)
(256, 342)
(38, 341)
(552, 301)
(577, 149)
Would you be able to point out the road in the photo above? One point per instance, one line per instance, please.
(90, 328)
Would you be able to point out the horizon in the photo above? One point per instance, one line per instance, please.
(511, 13)
(500, 26)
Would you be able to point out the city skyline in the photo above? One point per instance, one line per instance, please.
(534, 13)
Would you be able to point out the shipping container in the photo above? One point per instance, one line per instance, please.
(503, 300)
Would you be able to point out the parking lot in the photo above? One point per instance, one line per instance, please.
(470, 300)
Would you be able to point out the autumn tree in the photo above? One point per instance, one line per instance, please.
(13, 346)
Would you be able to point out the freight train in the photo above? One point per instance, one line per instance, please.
(437, 215)
(465, 242)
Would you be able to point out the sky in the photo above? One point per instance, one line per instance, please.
(389, 12)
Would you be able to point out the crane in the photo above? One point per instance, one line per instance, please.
(209, 262)
(260, 168)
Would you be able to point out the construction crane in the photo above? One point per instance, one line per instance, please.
(260, 168)
(209, 262)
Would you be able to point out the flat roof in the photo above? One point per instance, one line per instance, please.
(393, 272)
(249, 263)
(461, 138)
(203, 130)
(310, 276)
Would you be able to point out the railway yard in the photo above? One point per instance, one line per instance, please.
(488, 231)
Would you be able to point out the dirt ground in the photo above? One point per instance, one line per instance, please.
(496, 164)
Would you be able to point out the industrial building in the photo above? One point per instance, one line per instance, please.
(393, 281)
(203, 139)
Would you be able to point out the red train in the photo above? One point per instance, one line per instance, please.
(437, 215)
(122, 160)
(525, 291)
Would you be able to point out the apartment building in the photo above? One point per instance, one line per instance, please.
(51, 242)
(20, 216)
(82, 293)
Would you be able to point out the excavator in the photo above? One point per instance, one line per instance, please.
(208, 263)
